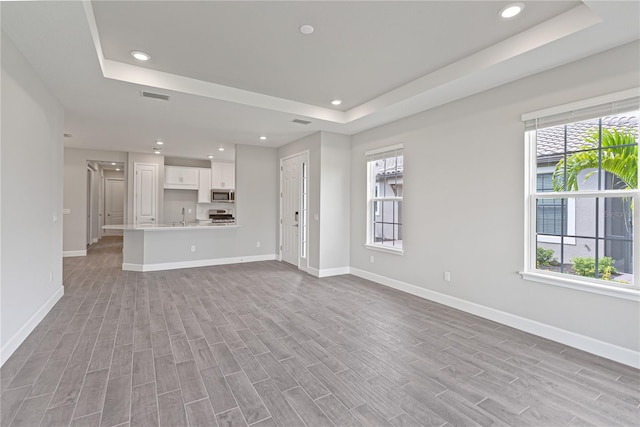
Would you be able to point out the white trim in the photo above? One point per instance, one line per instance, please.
(18, 338)
(66, 254)
(95, 240)
(338, 271)
(196, 263)
(564, 281)
(585, 103)
(386, 249)
(384, 149)
(586, 194)
(582, 342)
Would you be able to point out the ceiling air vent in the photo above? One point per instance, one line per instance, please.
(301, 122)
(154, 95)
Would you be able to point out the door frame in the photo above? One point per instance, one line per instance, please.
(304, 266)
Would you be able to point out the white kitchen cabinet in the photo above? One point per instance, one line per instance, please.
(204, 186)
(179, 177)
(223, 175)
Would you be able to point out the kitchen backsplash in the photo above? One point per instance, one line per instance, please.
(175, 200)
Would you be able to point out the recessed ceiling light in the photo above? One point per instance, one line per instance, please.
(221, 149)
(511, 10)
(306, 29)
(117, 169)
(159, 142)
(336, 102)
(210, 156)
(113, 164)
(157, 151)
(262, 138)
(140, 56)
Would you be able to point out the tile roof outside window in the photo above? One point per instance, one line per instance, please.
(549, 140)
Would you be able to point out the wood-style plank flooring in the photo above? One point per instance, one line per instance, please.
(262, 344)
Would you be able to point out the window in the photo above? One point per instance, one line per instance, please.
(582, 186)
(554, 218)
(385, 179)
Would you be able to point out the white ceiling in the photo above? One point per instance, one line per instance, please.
(238, 70)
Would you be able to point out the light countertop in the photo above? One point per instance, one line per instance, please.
(170, 227)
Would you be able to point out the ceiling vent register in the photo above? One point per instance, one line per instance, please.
(154, 95)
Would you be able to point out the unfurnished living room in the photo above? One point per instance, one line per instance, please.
(203, 223)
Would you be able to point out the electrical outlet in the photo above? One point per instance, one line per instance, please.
(193, 248)
(447, 276)
(371, 259)
(189, 210)
(257, 244)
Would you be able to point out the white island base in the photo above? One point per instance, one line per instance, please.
(169, 247)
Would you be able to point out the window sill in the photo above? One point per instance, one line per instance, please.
(384, 249)
(632, 294)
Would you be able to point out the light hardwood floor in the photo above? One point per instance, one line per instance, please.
(263, 344)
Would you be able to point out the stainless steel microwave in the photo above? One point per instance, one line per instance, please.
(227, 196)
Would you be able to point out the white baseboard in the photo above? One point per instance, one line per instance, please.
(582, 342)
(196, 263)
(66, 254)
(18, 338)
(329, 271)
(95, 240)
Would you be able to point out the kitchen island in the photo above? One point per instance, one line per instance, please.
(172, 246)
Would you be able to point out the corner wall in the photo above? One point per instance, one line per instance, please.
(335, 200)
(329, 192)
(31, 212)
(464, 203)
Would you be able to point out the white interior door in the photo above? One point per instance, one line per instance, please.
(114, 204)
(291, 210)
(145, 193)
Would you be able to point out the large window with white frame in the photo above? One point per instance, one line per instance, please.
(385, 182)
(582, 194)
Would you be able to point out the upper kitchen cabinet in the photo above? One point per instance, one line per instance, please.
(223, 175)
(179, 177)
(204, 186)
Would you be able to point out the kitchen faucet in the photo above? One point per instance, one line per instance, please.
(184, 220)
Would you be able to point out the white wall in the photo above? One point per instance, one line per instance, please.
(256, 200)
(75, 195)
(335, 154)
(31, 188)
(464, 181)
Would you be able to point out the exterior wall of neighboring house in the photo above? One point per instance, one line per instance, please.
(581, 219)
(385, 212)
(581, 212)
